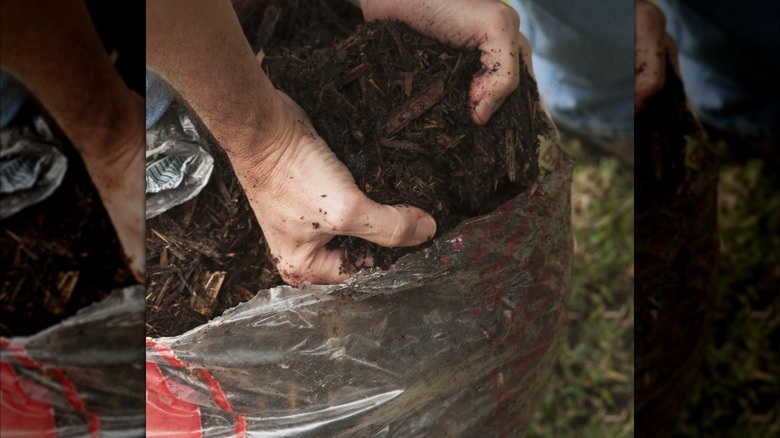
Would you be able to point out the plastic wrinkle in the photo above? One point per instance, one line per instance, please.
(178, 163)
(31, 167)
(83, 371)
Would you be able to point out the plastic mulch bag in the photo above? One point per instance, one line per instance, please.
(81, 377)
(676, 256)
(31, 166)
(178, 164)
(457, 339)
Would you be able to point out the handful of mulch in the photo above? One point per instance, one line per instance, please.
(393, 105)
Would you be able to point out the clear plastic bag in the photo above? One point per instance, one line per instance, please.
(458, 339)
(31, 166)
(81, 377)
(178, 163)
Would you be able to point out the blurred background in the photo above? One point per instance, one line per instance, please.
(592, 389)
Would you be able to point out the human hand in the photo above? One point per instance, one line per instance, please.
(652, 45)
(114, 159)
(303, 196)
(488, 25)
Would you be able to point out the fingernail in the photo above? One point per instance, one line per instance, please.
(426, 228)
(485, 109)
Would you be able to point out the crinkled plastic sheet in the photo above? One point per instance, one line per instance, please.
(31, 166)
(178, 163)
(82, 377)
(458, 339)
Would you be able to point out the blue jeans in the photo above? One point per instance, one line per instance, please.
(159, 96)
(12, 96)
(728, 54)
(729, 62)
(583, 60)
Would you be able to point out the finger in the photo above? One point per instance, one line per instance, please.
(389, 226)
(503, 48)
(320, 266)
(649, 53)
(324, 266)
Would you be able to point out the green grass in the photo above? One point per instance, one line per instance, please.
(591, 392)
(740, 379)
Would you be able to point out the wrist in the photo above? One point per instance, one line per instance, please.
(257, 145)
(114, 132)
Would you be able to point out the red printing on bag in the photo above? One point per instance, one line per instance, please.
(215, 390)
(165, 414)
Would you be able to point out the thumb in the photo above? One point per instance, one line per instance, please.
(390, 226)
(503, 54)
(649, 53)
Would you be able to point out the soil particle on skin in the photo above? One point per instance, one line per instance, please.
(393, 106)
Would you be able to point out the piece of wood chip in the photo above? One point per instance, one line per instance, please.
(413, 108)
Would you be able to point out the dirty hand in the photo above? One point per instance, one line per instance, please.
(489, 25)
(651, 47)
(303, 196)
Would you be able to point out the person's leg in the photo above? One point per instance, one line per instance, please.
(53, 49)
(12, 96)
(729, 65)
(159, 96)
(583, 57)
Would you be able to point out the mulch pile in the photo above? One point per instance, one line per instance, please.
(393, 105)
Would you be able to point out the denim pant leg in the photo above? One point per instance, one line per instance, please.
(729, 56)
(12, 96)
(583, 59)
(159, 95)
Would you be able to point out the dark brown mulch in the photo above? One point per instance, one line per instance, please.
(393, 106)
(59, 255)
(204, 256)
